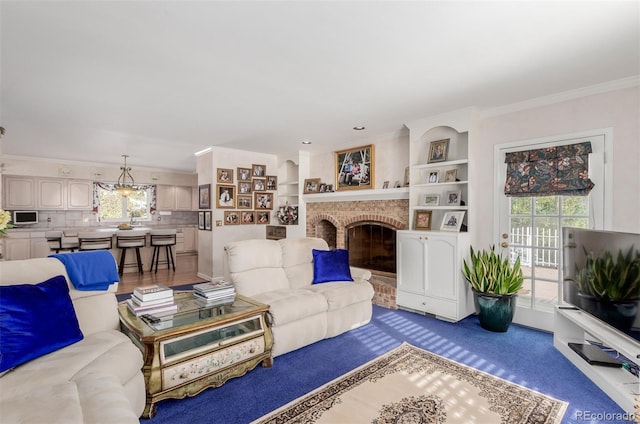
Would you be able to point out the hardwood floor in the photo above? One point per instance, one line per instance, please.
(185, 273)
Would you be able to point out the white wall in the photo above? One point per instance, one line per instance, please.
(619, 110)
(391, 154)
(212, 242)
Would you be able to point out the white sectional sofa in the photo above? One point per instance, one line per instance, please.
(95, 380)
(280, 273)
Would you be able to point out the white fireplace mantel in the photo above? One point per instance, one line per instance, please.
(358, 195)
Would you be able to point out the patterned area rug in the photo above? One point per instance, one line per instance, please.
(411, 385)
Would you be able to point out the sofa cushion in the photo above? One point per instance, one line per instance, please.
(297, 259)
(107, 352)
(331, 265)
(339, 294)
(94, 399)
(292, 304)
(37, 319)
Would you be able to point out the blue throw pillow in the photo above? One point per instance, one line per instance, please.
(35, 319)
(331, 265)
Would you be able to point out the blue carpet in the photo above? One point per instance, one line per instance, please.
(521, 355)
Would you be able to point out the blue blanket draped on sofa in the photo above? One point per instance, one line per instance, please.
(90, 270)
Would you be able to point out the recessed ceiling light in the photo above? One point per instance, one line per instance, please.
(358, 127)
(306, 142)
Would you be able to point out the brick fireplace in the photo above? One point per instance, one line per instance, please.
(331, 221)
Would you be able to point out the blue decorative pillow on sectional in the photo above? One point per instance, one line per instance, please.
(35, 319)
(331, 265)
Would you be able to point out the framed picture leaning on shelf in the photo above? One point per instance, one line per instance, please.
(453, 198)
(438, 151)
(452, 221)
(431, 200)
(434, 177)
(422, 220)
(311, 185)
(355, 168)
(450, 175)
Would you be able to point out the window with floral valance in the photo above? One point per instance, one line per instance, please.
(559, 170)
(140, 205)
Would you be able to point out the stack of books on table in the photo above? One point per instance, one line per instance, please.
(152, 300)
(214, 293)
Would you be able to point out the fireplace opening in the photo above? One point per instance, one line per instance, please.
(372, 246)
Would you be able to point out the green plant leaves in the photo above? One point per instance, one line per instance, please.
(489, 272)
(608, 278)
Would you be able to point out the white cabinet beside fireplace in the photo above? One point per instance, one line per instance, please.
(429, 273)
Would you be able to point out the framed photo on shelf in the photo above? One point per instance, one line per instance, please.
(355, 168)
(438, 151)
(262, 217)
(406, 176)
(244, 174)
(452, 221)
(263, 200)
(422, 220)
(434, 177)
(201, 220)
(322, 188)
(207, 220)
(258, 170)
(226, 196)
(311, 185)
(204, 196)
(248, 217)
(431, 200)
(245, 201)
(224, 175)
(231, 218)
(385, 184)
(450, 175)
(453, 198)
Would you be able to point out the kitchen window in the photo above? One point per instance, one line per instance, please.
(139, 206)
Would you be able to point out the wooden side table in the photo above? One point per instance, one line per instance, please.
(198, 347)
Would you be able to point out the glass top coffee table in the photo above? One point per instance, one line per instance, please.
(198, 346)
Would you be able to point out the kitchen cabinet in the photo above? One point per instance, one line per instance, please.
(17, 247)
(79, 195)
(39, 248)
(429, 273)
(174, 198)
(189, 239)
(19, 193)
(52, 194)
(183, 198)
(165, 197)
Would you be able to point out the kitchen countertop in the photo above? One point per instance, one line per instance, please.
(107, 229)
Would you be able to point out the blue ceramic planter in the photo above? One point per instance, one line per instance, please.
(495, 311)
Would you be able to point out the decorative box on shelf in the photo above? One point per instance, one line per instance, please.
(276, 232)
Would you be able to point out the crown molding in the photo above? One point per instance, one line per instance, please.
(562, 96)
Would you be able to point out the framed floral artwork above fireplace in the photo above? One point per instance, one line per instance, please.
(355, 168)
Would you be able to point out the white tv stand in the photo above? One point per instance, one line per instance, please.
(574, 325)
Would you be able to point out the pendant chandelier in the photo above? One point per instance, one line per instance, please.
(124, 187)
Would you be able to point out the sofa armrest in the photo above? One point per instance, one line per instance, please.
(360, 273)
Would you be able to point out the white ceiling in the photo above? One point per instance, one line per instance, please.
(160, 80)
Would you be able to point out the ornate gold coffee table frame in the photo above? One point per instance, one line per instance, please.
(198, 347)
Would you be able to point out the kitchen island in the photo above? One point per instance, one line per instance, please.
(27, 243)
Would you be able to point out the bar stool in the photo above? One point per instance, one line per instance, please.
(160, 238)
(95, 241)
(130, 239)
(58, 243)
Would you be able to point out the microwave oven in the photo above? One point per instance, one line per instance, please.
(25, 217)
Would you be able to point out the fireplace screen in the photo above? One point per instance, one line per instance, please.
(372, 246)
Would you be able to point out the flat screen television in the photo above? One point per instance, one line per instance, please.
(601, 276)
